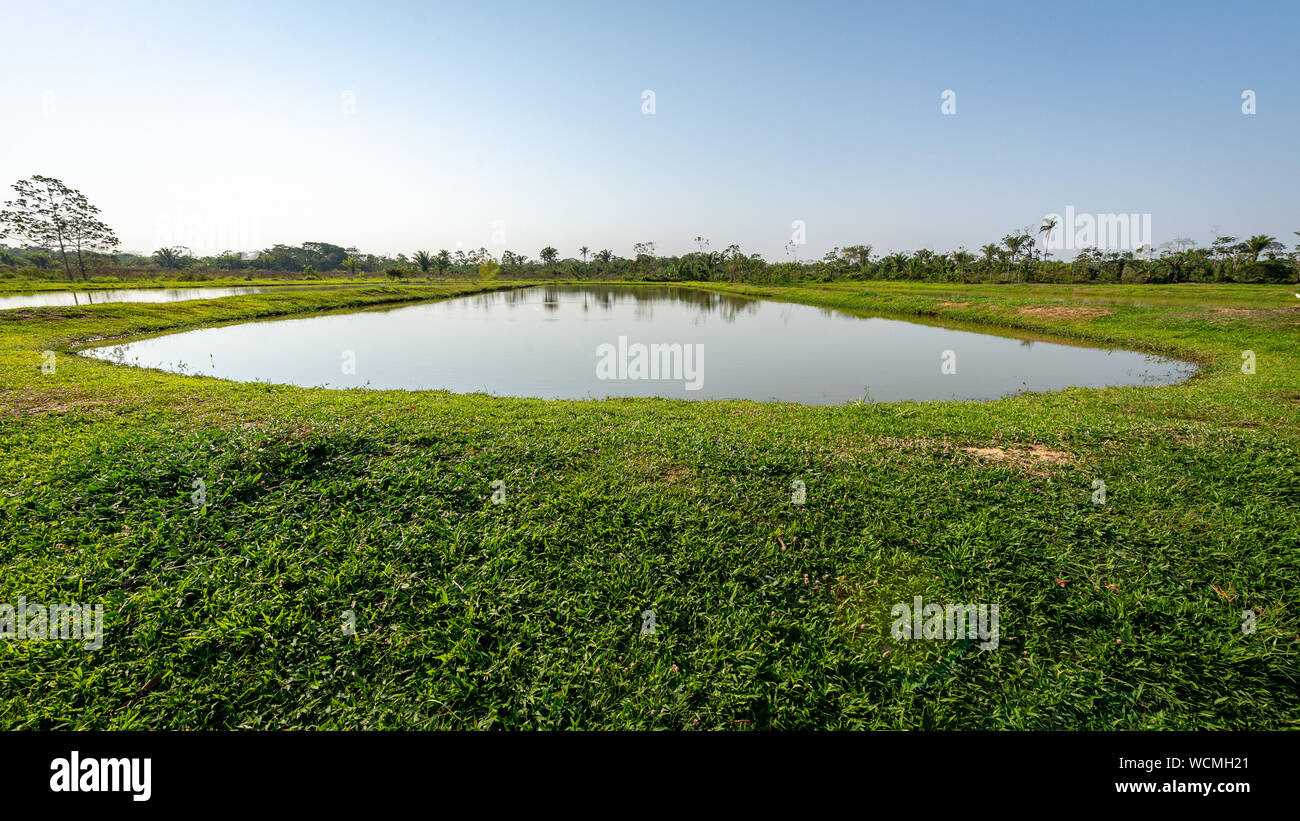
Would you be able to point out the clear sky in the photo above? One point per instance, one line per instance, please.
(229, 125)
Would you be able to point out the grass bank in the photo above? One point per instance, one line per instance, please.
(330, 508)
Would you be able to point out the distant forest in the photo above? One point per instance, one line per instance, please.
(1016, 258)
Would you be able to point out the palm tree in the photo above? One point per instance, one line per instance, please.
(1014, 243)
(1048, 226)
(352, 264)
(442, 261)
(425, 260)
(584, 250)
(549, 255)
(990, 251)
(171, 258)
(1259, 243)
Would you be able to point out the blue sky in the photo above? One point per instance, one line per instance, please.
(224, 125)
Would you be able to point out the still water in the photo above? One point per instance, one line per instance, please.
(577, 342)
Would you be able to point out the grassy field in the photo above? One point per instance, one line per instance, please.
(527, 614)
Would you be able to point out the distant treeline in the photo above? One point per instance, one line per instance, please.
(1260, 258)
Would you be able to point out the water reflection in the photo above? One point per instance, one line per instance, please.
(608, 298)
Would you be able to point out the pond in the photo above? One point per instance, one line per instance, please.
(579, 342)
(55, 299)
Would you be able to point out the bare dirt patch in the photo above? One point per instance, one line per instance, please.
(676, 473)
(951, 304)
(660, 469)
(46, 313)
(1031, 455)
(17, 404)
(1064, 311)
(1026, 456)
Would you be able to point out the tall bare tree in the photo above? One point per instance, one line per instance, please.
(49, 214)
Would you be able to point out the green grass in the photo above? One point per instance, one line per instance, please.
(769, 615)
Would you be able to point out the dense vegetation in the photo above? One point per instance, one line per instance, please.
(63, 227)
(1260, 259)
(468, 614)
